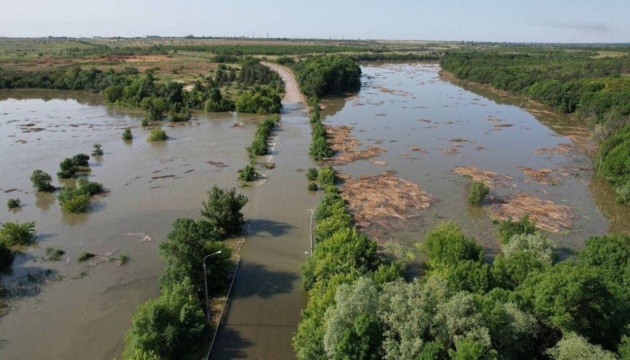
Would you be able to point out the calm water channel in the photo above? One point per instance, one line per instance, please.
(85, 313)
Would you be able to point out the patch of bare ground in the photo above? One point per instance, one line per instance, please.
(547, 214)
(383, 201)
(560, 149)
(345, 146)
(490, 178)
(540, 176)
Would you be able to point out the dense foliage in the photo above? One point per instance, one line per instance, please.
(174, 326)
(259, 144)
(75, 199)
(580, 82)
(41, 181)
(14, 233)
(522, 305)
(157, 134)
(319, 148)
(13, 203)
(260, 100)
(328, 75)
(222, 210)
(70, 166)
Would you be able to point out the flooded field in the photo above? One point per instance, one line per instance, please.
(81, 311)
(408, 131)
(409, 122)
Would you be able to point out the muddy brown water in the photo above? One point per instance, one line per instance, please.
(402, 106)
(86, 312)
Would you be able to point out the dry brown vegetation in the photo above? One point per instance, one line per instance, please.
(560, 149)
(540, 176)
(383, 200)
(547, 214)
(490, 178)
(345, 146)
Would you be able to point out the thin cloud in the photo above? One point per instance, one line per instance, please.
(596, 27)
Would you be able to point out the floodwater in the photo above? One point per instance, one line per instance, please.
(82, 311)
(403, 107)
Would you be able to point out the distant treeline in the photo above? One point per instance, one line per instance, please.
(596, 88)
(131, 88)
(235, 50)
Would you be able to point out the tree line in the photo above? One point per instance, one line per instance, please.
(579, 82)
(327, 75)
(174, 325)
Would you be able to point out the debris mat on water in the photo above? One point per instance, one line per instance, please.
(490, 178)
(345, 146)
(383, 200)
(540, 176)
(547, 214)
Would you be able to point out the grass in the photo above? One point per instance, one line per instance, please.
(84, 256)
(54, 254)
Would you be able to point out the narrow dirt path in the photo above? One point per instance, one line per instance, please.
(292, 92)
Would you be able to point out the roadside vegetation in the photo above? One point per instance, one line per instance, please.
(595, 88)
(179, 310)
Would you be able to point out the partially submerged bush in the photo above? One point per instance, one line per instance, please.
(13, 203)
(312, 186)
(326, 176)
(41, 180)
(70, 166)
(157, 134)
(98, 151)
(14, 233)
(75, 199)
(127, 135)
(54, 254)
(84, 256)
(478, 191)
(311, 174)
(509, 228)
(248, 173)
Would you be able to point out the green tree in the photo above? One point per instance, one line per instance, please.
(223, 210)
(157, 134)
(172, 326)
(127, 135)
(183, 252)
(573, 346)
(538, 245)
(41, 180)
(575, 298)
(353, 330)
(446, 245)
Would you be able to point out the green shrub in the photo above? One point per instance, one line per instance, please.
(145, 122)
(312, 186)
(76, 204)
(326, 176)
(248, 173)
(122, 259)
(84, 256)
(89, 187)
(509, 228)
(98, 151)
(127, 135)
(181, 115)
(157, 134)
(13, 203)
(41, 181)
(259, 100)
(70, 166)
(54, 254)
(311, 174)
(14, 233)
(478, 191)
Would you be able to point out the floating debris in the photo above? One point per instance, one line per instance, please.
(545, 213)
(560, 149)
(344, 145)
(540, 176)
(490, 178)
(143, 237)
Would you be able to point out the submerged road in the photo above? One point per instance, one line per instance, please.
(264, 309)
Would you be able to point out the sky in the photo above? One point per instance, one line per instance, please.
(578, 21)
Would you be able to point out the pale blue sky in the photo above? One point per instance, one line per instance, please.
(481, 20)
